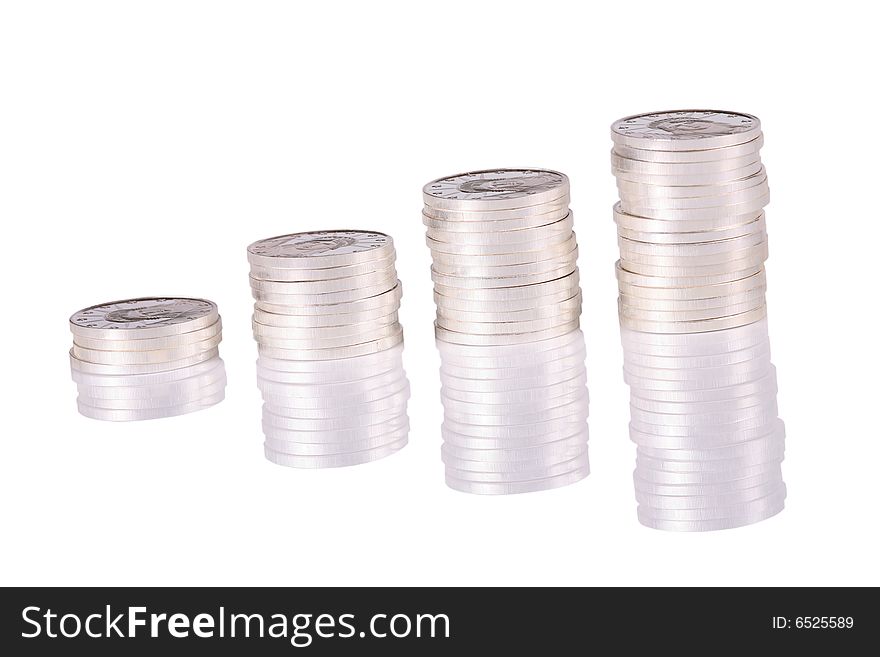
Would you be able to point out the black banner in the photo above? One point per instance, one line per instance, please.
(421, 621)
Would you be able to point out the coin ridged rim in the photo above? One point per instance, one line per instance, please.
(149, 344)
(703, 155)
(557, 205)
(335, 353)
(336, 460)
(151, 332)
(520, 200)
(320, 261)
(622, 164)
(115, 415)
(285, 274)
(691, 180)
(682, 143)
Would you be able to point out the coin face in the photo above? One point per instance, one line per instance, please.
(134, 314)
(497, 184)
(320, 244)
(687, 125)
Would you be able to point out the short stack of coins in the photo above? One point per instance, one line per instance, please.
(147, 358)
(330, 363)
(508, 304)
(691, 278)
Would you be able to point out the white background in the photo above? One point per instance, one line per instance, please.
(143, 145)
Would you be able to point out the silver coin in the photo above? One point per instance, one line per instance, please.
(341, 423)
(696, 326)
(526, 256)
(760, 350)
(636, 190)
(330, 449)
(505, 339)
(508, 328)
(568, 283)
(392, 378)
(332, 353)
(527, 435)
(571, 305)
(641, 205)
(165, 400)
(508, 238)
(707, 247)
(568, 447)
(511, 488)
(683, 180)
(706, 504)
(511, 355)
(150, 317)
(322, 273)
(148, 344)
(578, 408)
(692, 495)
(537, 473)
(684, 283)
(387, 302)
(336, 460)
(470, 225)
(369, 362)
(472, 282)
(626, 221)
(646, 474)
(145, 368)
(759, 446)
(644, 287)
(690, 315)
(322, 299)
(758, 386)
(562, 431)
(748, 207)
(495, 189)
(514, 470)
(732, 260)
(458, 248)
(117, 415)
(321, 332)
(507, 271)
(279, 323)
(144, 357)
(703, 155)
(767, 409)
(323, 343)
(650, 466)
(557, 205)
(463, 377)
(717, 512)
(757, 226)
(685, 130)
(691, 304)
(490, 395)
(156, 390)
(620, 164)
(318, 249)
(282, 406)
(347, 400)
(677, 437)
(355, 374)
(548, 300)
(385, 277)
(752, 333)
(157, 378)
(522, 402)
(337, 436)
(700, 272)
(763, 513)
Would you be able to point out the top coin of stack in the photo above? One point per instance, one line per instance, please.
(145, 358)
(325, 295)
(504, 256)
(690, 220)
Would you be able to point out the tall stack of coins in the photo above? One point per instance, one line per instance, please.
(330, 347)
(142, 359)
(508, 308)
(693, 242)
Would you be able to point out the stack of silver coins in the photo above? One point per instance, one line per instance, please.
(508, 309)
(142, 359)
(693, 241)
(330, 365)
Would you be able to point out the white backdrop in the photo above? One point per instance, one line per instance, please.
(144, 145)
